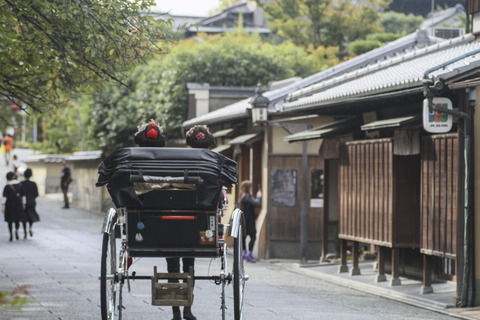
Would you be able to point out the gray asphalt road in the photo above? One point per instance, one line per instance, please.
(61, 264)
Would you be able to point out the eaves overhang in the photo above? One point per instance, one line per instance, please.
(391, 123)
(338, 106)
(236, 111)
(221, 148)
(223, 133)
(247, 139)
(324, 131)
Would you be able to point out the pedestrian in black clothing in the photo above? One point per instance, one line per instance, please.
(65, 182)
(13, 205)
(31, 193)
(248, 204)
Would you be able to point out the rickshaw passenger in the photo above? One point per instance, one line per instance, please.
(150, 135)
(197, 137)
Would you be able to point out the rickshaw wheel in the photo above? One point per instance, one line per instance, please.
(239, 276)
(109, 277)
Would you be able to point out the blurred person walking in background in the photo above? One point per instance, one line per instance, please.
(8, 143)
(13, 205)
(16, 164)
(31, 193)
(248, 204)
(65, 182)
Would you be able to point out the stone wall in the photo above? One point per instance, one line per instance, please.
(85, 194)
(47, 170)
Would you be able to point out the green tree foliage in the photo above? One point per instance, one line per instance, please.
(68, 125)
(373, 41)
(224, 4)
(115, 114)
(326, 57)
(315, 11)
(296, 19)
(349, 21)
(400, 23)
(313, 23)
(50, 48)
(160, 88)
(286, 19)
(362, 46)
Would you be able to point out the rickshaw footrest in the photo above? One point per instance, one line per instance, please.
(172, 293)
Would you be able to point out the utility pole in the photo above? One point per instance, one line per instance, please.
(433, 13)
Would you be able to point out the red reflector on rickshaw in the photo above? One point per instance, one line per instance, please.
(179, 217)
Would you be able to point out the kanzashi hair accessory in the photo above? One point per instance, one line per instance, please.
(150, 135)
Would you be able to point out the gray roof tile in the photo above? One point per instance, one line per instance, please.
(405, 71)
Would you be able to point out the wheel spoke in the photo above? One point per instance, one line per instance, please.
(110, 288)
(238, 276)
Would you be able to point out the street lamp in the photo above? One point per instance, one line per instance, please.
(259, 106)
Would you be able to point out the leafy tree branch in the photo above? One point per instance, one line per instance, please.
(51, 48)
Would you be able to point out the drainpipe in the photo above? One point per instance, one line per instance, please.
(467, 19)
(304, 209)
(468, 294)
(467, 289)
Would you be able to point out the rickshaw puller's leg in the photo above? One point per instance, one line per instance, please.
(176, 313)
(187, 314)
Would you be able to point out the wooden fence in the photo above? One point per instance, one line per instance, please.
(440, 195)
(379, 195)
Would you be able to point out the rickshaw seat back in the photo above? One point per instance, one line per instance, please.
(166, 178)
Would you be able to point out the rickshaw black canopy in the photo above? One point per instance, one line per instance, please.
(212, 170)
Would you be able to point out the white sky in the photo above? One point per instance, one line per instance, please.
(187, 7)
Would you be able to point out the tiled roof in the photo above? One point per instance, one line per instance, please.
(302, 87)
(403, 72)
(440, 16)
(76, 156)
(236, 110)
(222, 29)
(179, 22)
(390, 50)
(235, 10)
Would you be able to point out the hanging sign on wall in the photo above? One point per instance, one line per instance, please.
(435, 121)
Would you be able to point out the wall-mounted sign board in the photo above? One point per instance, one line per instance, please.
(436, 121)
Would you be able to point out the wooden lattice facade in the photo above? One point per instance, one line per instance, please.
(440, 195)
(380, 195)
(473, 6)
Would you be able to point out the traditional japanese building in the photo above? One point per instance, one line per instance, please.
(385, 160)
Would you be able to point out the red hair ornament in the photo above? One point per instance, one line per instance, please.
(152, 133)
(149, 135)
(200, 136)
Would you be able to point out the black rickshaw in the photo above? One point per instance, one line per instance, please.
(168, 202)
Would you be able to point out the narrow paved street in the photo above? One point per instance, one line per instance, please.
(61, 264)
